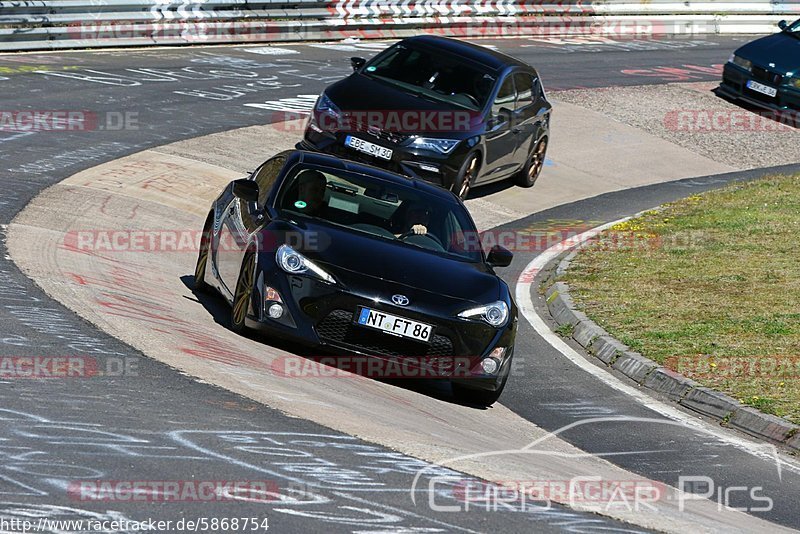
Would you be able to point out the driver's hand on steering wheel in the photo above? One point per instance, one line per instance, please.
(419, 229)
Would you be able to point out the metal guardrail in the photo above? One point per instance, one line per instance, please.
(52, 24)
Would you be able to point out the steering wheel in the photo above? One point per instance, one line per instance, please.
(428, 235)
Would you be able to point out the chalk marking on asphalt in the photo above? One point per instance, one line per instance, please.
(526, 306)
(404, 512)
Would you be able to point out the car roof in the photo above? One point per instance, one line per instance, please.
(325, 160)
(479, 54)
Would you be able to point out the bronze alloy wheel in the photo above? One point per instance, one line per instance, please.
(202, 258)
(533, 168)
(241, 299)
(465, 177)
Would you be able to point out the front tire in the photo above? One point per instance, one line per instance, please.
(241, 298)
(466, 176)
(200, 284)
(533, 166)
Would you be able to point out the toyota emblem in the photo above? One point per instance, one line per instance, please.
(400, 300)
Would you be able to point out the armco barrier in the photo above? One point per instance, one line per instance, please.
(51, 24)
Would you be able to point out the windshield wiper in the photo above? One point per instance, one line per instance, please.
(416, 92)
(426, 96)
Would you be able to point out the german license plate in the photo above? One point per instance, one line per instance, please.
(761, 88)
(395, 325)
(368, 148)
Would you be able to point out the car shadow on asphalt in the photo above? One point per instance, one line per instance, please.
(219, 310)
(480, 191)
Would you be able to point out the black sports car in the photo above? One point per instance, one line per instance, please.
(352, 258)
(766, 72)
(450, 112)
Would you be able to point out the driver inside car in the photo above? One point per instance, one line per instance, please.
(311, 192)
(416, 221)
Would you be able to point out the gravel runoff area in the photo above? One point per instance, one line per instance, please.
(692, 116)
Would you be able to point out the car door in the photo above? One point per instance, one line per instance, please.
(501, 142)
(538, 121)
(240, 220)
(526, 117)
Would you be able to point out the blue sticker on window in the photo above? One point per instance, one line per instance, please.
(300, 204)
(372, 69)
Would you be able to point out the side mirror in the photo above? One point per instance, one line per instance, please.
(503, 116)
(357, 63)
(246, 190)
(783, 25)
(499, 257)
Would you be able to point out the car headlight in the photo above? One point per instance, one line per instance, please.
(293, 262)
(326, 105)
(495, 314)
(795, 81)
(443, 146)
(740, 61)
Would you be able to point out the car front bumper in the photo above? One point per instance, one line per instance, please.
(734, 85)
(322, 315)
(438, 169)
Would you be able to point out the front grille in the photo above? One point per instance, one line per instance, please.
(384, 135)
(360, 157)
(338, 327)
(755, 95)
(764, 75)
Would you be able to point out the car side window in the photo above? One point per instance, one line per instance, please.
(525, 94)
(265, 177)
(505, 97)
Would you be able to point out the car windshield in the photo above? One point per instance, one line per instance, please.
(384, 210)
(436, 76)
(794, 27)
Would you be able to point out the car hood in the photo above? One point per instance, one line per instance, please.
(376, 264)
(362, 93)
(781, 49)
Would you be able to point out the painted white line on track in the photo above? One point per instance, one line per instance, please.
(764, 451)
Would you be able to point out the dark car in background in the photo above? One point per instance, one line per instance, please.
(446, 111)
(354, 259)
(766, 72)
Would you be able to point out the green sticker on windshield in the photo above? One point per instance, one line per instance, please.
(300, 204)
(372, 69)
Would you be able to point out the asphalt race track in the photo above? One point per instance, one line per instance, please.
(149, 422)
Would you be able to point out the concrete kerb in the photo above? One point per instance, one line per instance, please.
(649, 374)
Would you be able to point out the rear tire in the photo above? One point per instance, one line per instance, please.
(200, 284)
(533, 166)
(241, 298)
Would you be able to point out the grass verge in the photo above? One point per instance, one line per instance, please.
(710, 287)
